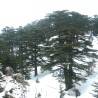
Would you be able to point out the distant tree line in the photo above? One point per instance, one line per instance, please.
(63, 39)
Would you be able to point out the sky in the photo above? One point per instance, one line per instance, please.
(17, 13)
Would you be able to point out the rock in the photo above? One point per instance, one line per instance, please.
(18, 77)
(37, 80)
(77, 93)
(8, 95)
(26, 83)
(8, 71)
(1, 75)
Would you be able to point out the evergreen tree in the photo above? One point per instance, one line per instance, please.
(94, 25)
(69, 45)
(21, 52)
(34, 51)
(61, 40)
(7, 49)
(95, 91)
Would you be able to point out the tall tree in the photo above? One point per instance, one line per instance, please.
(94, 25)
(8, 39)
(69, 45)
(35, 38)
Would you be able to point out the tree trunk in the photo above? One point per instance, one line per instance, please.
(70, 76)
(36, 73)
(68, 79)
(35, 61)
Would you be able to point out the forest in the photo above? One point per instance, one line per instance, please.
(62, 41)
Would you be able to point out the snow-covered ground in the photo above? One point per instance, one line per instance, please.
(49, 87)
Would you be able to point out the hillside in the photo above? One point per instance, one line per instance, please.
(47, 86)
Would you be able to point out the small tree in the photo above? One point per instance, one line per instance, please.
(95, 91)
(61, 92)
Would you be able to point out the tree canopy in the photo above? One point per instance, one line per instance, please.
(61, 40)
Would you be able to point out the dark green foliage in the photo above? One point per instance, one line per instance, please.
(70, 43)
(21, 50)
(77, 92)
(5, 96)
(1, 89)
(62, 39)
(11, 90)
(94, 25)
